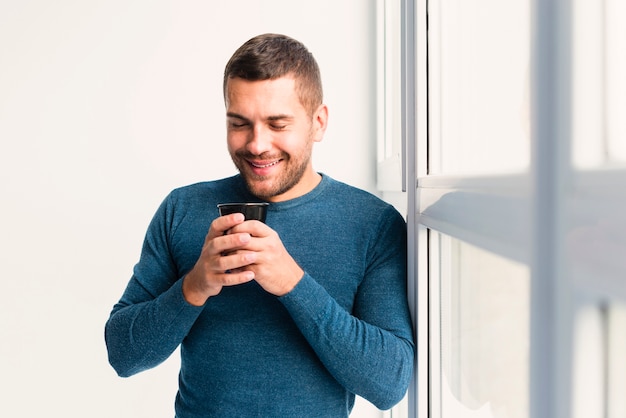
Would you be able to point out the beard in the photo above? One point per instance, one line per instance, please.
(266, 187)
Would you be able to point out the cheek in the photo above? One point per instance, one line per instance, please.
(294, 140)
(234, 141)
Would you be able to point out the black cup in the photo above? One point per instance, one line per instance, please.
(256, 211)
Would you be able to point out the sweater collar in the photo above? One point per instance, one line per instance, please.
(287, 204)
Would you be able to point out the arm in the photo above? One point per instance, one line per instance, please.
(141, 335)
(369, 351)
(152, 317)
(159, 307)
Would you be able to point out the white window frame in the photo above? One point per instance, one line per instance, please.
(390, 167)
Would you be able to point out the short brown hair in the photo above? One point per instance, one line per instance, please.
(271, 56)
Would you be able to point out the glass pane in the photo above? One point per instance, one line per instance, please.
(588, 365)
(482, 332)
(615, 11)
(599, 85)
(599, 362)
(616, 366)
(479, 79)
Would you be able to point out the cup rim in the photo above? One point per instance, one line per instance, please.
(219, 205)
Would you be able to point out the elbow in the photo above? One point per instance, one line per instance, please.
(121, 372)
(120, 363)
(117, 352)
(390, 401)
(392, 397)
(396, 388)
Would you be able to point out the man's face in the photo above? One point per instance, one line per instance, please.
(270, 137)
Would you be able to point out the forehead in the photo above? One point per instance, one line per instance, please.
(279, 92)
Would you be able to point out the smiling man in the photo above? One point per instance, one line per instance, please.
(287, 318)
(271, 136)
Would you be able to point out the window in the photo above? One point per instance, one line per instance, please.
(479, 305)
(479, 75)
(595, 228)
(599, 86)
(516, 144)
(388, 92)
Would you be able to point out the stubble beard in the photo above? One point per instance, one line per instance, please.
(265, 188)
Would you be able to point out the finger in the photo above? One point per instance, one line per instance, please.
(236, 277)
(223, 223)
(253, 227)
(225, 244)
(236, 260)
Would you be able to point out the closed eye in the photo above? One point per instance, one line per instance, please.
(279, 122)
(236, 121)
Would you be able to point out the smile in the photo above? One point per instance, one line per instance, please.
(263, 165)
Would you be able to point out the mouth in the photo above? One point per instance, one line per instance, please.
(263, 167)
(264, 164)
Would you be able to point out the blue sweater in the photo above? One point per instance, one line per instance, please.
(345, 329)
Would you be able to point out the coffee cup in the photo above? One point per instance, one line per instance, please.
(251, 210)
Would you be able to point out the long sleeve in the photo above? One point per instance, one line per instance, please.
(152, 317)
(370, 351)
(143, 335)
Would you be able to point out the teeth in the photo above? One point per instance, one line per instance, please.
(264, 165)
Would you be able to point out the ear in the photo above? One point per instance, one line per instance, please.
(320, 122)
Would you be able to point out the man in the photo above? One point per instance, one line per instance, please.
(288, 318)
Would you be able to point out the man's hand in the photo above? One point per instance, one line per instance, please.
(273, 267)
(236, 252)
(218, 258)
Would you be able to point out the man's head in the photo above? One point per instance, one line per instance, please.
(274, 115)
(271, 56)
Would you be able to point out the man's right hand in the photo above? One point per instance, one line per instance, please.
(220, 261)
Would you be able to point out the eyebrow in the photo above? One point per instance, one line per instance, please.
(269, 118)
(280, 117)
(235, 115)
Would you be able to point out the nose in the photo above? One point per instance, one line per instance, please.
(259, 140)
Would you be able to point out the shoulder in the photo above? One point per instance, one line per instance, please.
(198, 200)
(362, 204)
(353, 196)
(213, 186)
(203, 192)
(193, 206)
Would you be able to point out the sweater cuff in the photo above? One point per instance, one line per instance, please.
(175, 301)
(308, 298)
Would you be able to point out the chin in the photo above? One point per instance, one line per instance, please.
(259, 189)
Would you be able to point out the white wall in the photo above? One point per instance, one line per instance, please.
(104, 107)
